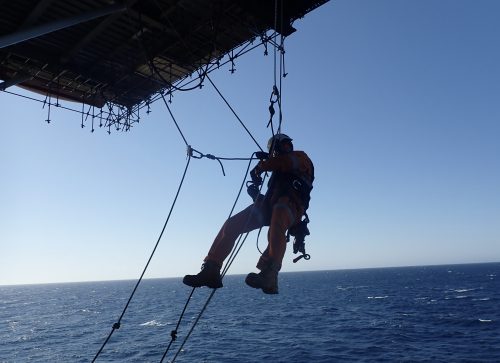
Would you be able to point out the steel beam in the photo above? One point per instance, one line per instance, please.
(26, 34)
(14, 81)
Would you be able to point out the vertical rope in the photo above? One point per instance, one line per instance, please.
(281, 50)
(278, 49)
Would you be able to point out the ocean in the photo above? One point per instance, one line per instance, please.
(408, 314)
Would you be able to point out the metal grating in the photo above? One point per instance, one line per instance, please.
(125, 52)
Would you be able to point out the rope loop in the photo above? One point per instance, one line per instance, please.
(200, 155)
(274, 98)
(276, 93)
(196, 154)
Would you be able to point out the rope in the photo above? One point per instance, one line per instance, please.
(278, 48)
(189, 153)
(175, 121)
(242, 238)
(41, 101)
(181, 84)
(192, 153)
(204, 307)
(234, 113)
(230, 261)
(173, 333)
(174, 87)
(118, 323)
(198, 155)
(236, 249)
(193, 326)
(239, 243)
(276, 29)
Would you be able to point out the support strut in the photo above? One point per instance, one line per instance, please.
(37, 31)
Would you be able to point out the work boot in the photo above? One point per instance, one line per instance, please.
(266, 279)
(208, 276)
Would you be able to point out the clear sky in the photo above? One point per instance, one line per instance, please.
(397, 103)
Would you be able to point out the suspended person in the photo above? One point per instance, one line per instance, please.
(283, 205)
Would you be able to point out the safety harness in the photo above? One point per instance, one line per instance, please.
(290, 183)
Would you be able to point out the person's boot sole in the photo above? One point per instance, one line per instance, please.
(253, 280)
(189, 282)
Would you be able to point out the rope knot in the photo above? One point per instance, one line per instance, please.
(116, 326)
(173, 334)
(189, 151)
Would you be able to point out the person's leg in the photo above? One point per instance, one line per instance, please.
(284, 215)
(247, 220)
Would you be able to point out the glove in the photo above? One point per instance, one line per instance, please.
(255, 175)
(253, 191)
(261, 155)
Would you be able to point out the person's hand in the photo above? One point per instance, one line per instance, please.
(253, 191)
(255, 175)
(261, 155)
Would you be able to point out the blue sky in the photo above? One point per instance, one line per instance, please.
(396, 102)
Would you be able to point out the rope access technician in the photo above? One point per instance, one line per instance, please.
(281, 208)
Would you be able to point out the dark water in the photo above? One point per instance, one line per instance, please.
(414, 314)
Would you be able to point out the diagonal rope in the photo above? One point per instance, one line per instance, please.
(236, 249)
(234, 113)
(242, 238)
(118, 323)
(231, 258)
(173, 119)
(173, 333)
(193, 326)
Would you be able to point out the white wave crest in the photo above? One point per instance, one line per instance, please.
(153, 323)
(463, 290)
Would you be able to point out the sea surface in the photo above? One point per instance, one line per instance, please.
(410, 314)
